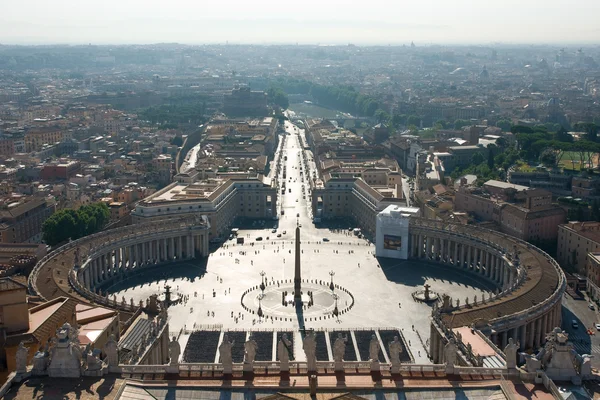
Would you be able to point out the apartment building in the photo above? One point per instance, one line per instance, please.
(21, 221)
(349, 195)
(517, 210)
(37, 137)
(221, 200)
(575, 241)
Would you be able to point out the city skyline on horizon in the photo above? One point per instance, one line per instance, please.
(331, 22)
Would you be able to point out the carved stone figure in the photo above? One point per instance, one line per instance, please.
(112, 352)
(225, 354)
(511, 354)
(40, 361)
(21, 358)
(395, 348)
(339, 348)
(284, 348)
(309, 344)
(374, 349)
(174, 351)
(66, 354)
(532, 363)
(93, 360)
(450, 355)
(250, 348)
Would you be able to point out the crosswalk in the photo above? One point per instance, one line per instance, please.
(583, 345)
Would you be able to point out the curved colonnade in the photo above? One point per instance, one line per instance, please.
(530, 283)
(110, 255)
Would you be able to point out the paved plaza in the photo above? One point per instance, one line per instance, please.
(381, 288)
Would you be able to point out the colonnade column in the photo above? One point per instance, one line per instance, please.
(455, 258)
(523, 338)
(179, 249)
(118, 259)
(428, 247)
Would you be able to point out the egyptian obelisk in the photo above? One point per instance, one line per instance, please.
(297, 275)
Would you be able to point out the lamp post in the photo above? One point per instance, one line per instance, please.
(331, 286)
(262, 284)
(335, 310)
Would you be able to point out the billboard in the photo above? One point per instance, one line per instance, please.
(391, 242)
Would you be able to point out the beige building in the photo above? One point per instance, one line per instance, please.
(575, 241)
(221, 200)
(36, 138)
(345, 195)
(21, 222)
(519, 211)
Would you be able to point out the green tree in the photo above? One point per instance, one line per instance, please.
(477, 158)
(177, 141)
(74, 224)
(504, 125)
(548, 158)
(382, 116)
(590, 129)
(398, 120)
(413, 120)
(276, 95)
(461, 123)
(491, 161)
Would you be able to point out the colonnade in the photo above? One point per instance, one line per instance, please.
(528, 322)
(480, 259)
(117, 258)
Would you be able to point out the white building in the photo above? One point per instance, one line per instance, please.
(391, 235)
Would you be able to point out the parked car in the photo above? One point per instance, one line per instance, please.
(591, 306)
(597, 326)
(325, 240)
(274, 230)
(258, 238)
(574, 324)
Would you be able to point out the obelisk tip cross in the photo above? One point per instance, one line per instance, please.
(297, 274)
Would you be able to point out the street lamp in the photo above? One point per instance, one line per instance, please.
(335, 310)
(331, 287)
(262, 282)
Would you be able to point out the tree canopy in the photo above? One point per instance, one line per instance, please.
(74, 224)
(276, 95)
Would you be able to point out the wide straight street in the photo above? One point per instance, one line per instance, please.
(381, 289)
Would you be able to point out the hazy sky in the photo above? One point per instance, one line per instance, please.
(305, 21)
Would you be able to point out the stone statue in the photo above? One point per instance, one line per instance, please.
(76, 257)
(511, 354)
(457, 303)
(111, 351)
(374, 349)
(395, 348)
(309, 344)
(21, 358)
(532, 363)
(66, 353)
(339, 348)
(250, 348)
(40, 361)
(284, 348)
(174, 351)
(450, 355)
(93, 360)
(225, 354)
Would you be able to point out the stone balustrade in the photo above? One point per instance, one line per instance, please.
(530, 282)
(113, 254)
